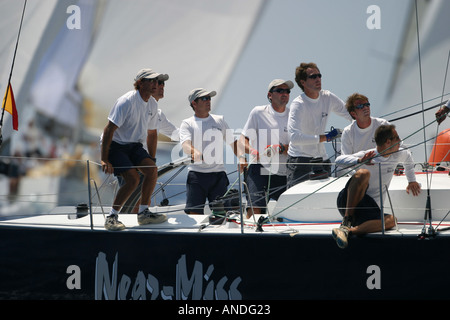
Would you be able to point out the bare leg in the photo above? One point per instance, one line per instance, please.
(131, 181)
(148, 184)
(150, 173)
(251, 211)
(356, 190)
(373, 226)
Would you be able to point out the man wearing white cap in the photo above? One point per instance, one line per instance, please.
(132, 122)
(202, 137)
(265, 138)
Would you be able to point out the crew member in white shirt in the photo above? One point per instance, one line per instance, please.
(131, 123)
(202, 136)
(308, 116)
(167, 128)
(164, 125)
(359, 202)
(360, 134)
(266, 140)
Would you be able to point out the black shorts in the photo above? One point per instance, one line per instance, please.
(299, 169)
(258, 185)
(201, 186)
(367, 209)
(126, 156)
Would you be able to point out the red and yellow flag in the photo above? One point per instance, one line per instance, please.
(10, 106)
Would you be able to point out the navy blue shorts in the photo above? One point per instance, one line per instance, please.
(258, 185)
(125, 156)
(299, 168)
(201, 186)
(367, 209)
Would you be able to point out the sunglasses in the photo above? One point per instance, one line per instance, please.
(160, 82)
(148, 80)
(362, 105)
(205, 98)
(279, 90)
(314, 76)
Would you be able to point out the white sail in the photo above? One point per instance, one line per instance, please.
(36, 18)
(54, 91)
(233, 47)
(196, 42)
(352, 56)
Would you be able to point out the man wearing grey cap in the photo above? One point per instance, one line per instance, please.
(265, 139)
(202, 137)
(131, 123)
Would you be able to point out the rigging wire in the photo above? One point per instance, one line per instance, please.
(415, 105)
(437, 127)
(428, 214)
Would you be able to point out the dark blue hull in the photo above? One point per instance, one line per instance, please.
(38, 263)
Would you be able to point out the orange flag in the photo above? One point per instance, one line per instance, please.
(10, 106)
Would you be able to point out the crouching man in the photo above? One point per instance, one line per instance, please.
(359, 201)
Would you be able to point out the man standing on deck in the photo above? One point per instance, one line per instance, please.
(266, 131)
(132, 122)
(164, 125)
(202, 137)
(308, 117)
(359, 202)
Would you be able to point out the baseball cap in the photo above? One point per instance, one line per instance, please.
(279, 82)
(200, 92)
(150, 74)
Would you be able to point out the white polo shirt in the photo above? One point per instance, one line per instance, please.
(166, 127)
(264, 127)
(206, 135)
(133, 117)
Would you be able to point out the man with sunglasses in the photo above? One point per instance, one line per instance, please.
(202, 137)
(307, 122)
(359, 202)
(265, 139)
(163, 126)
(132, 122)
(360, 134)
